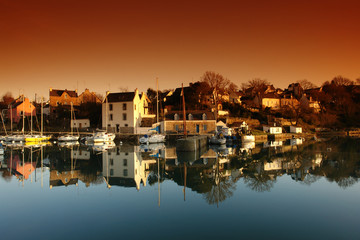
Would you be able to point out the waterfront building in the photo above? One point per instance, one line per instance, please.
(21, 107)
(63, 97)
(123, 112)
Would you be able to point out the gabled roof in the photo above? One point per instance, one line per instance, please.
(58, 93)
(121, 97)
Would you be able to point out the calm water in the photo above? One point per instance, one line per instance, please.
(276, 190)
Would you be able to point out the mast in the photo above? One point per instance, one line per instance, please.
(106, 111)
(71, 117)
(42, 118)
(184, 113)
(31, 118)
(2, 119)
(23, 114)
(11, 119)
(157, 100)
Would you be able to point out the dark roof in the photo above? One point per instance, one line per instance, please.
(58, 93)
(121, 181)
(121, 97)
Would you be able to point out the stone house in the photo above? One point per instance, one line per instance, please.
(88, 96)
(63, 97)
(197, 123)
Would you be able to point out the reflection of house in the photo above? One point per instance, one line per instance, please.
(196, 123)
(273, 144)
(125, 111)
(275, 164)
(20, 168)
(81, 154)
(126, 169)
(64, 178)
(20, 105)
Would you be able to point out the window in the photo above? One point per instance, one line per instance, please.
(110, 107)
(135, 106)
(111, 117)
(111, 162)
(111, 172)
(125, 172)
(125, 162)
(124, 106)
(124, 116)
(65, 96)
(205, 127)
(177, 127)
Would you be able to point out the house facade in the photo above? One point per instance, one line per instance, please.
(123, 112)
(19, 107)
(89, 97)
(63, 97)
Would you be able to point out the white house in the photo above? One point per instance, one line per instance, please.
(272, 129)
(123, 112)
(80, 123)
(295, 129)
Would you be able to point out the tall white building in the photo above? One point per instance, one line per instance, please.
(123, 112)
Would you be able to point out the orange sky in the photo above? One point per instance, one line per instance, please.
(127, 44)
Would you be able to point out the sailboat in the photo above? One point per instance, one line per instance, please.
(102, 136)
(154, 137)
(36, 137)
(70, 137)
(17, 137)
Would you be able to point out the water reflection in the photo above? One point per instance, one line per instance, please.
(213, 173)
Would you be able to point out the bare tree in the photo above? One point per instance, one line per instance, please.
(258, 83)
(306, 84)
(7, 98)
(340, 80)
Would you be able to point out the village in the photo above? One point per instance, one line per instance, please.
(211, 106)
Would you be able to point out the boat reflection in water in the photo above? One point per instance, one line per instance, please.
(212, 172)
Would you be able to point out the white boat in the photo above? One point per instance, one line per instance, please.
(102, 146)
(1, 149)
(247, 138)
(68, 138)
(217, 140)
(15, 138)
(101, 136)
(153, 138)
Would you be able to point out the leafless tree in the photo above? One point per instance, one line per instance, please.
(341, 81)
(306, 84)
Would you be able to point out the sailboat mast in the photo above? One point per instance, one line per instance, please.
(71, 118)
(11, 119)
(106, 111)
(23, 114)
(42, 118)
(2, 119)
(31, 118)
(157, 100)
(184, 114)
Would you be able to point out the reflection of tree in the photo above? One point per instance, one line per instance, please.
(346, 182)
(310, 179)
(6, 175)
(218, 193)
(259, 182)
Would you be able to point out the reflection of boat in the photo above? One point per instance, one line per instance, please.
(217, 140)
(248, 138)
(103, 146)
(152, 147)
(153, 138)
(68, 143)
(15, 138)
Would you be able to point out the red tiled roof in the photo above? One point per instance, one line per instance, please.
(58, 93)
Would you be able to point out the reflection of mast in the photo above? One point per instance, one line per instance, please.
(159, 180)
(31, 160)
(42, 162)
(23, 165)
(107, 171)
(185, 174)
